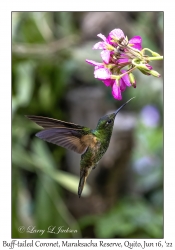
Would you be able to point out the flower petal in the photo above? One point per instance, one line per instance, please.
(137, 42)
(94, 63)
(102, 37)
(117, 33)
(123, 61)
(102, 73)
(99, 45)
(105, 54)
(126, 79)
(108, 82)
(122, 85)
(116, 92)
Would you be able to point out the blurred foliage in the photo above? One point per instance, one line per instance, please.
(48, 59)
(137, 221)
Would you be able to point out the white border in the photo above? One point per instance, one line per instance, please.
(5, 95)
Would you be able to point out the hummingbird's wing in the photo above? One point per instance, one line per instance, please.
(64, 134)
(67, 138)
(47, 122)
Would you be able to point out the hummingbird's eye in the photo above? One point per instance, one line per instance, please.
(109, 121)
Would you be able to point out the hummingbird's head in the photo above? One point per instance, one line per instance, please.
(106, 122)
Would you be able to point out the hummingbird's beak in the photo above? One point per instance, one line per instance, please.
(123, 106)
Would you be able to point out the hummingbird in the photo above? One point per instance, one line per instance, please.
(90, 143)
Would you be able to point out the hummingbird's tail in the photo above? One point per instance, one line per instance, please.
(83, 176)
(81, 184)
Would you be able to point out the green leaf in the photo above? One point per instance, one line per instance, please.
(41, 159)
(69, 181)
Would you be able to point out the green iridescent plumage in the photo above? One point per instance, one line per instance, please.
(91, 144)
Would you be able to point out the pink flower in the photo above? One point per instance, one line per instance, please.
(105, 55)
(101, 45)
(116, 91)
(125, 79)
(117, 53)
(104, 74)
(122, 61)
(108, 82)
(116, 34)
(137, 42)
(100, 72)
(94, 63)
(120, 86)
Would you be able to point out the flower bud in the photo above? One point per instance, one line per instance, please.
(154, 73)
(132, 80)
(144, 67)
(145, 72)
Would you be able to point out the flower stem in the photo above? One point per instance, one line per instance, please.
(154, 58)
(127, 72)
(147, 50)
